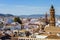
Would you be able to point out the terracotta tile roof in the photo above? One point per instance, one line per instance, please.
(53, 37)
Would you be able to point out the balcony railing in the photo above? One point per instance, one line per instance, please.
(35, 39)
(24, 38)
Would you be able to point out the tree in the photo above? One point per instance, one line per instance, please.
(27, 33)
(17, 19)
(1, 25)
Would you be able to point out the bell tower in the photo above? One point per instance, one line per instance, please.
(52, 16)
(46, 18)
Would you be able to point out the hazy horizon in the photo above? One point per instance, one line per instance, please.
(28, 7)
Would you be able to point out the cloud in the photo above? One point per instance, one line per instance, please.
(23, 9)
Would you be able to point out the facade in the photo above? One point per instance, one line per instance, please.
(52, 16)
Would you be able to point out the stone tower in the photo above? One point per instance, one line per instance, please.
(52, 16)
(46, 18)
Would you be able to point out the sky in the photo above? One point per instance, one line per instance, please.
(28, 7)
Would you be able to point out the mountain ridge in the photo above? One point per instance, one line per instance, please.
(27, 16)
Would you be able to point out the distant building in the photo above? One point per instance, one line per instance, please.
(46, 18)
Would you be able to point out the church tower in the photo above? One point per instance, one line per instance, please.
(52, 16)
(46, 18)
